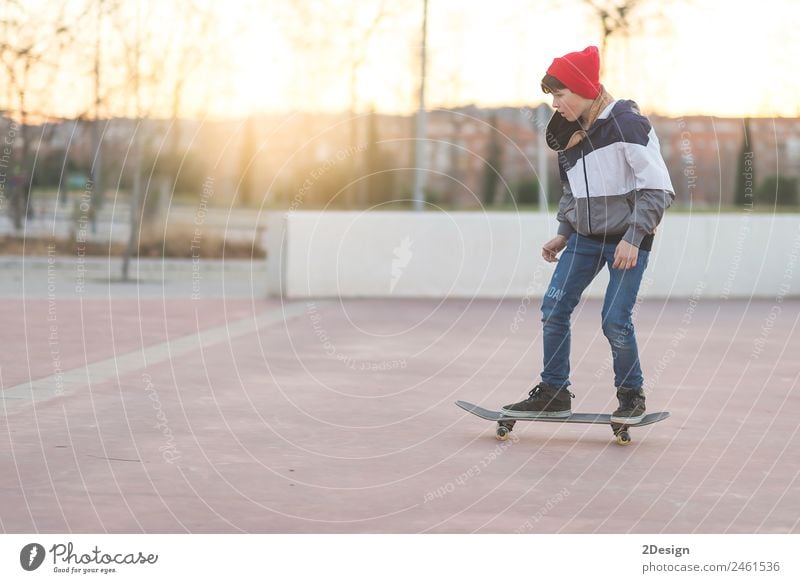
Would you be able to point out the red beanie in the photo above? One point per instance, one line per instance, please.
(579, 72)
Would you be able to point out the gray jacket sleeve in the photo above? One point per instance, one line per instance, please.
(564, 226)
(648, 209)
(654, 192)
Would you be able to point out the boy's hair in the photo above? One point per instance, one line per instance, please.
(551, 84)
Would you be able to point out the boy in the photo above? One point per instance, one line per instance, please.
(615, 190)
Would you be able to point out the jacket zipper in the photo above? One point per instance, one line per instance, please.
(586, 181)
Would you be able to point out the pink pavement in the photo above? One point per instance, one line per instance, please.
(341, 419)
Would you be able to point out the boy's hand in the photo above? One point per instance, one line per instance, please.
(625, 255)
(553, 247)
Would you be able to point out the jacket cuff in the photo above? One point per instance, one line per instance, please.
(565, 229)
(634, 236)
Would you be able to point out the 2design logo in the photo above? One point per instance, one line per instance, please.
(31, 556)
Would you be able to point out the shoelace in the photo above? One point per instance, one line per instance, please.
(535, 391)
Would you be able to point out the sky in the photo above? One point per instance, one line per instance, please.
(712, 57)
(715, 57)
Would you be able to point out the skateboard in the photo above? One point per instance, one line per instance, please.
(505, 423)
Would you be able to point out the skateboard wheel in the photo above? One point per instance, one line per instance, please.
(502, 433)
(623, 438)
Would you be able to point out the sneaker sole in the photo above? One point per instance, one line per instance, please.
(627, 420)
(536, 414)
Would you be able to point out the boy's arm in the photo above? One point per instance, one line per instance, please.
(564, 227)
(654, 192)
(647, 213)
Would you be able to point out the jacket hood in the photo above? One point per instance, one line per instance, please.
(559, 131)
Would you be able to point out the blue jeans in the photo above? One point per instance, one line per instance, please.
(581, 261)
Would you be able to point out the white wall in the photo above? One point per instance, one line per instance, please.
(474, 254)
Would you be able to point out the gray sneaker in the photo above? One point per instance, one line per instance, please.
(543, 401)
(631, 406)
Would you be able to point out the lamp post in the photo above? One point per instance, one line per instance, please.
(542, 114)
(420, 134)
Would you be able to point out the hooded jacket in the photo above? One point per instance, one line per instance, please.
(615, 183)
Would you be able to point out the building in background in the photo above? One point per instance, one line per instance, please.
(475, 156)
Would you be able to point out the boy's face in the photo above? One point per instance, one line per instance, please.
(569, 104)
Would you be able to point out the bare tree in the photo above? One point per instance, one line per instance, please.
(159, 69)
(338, 36)
(144, 67)
(625, 20)
(615, 17)
(32, 42)
(102, 10)
(200, 45)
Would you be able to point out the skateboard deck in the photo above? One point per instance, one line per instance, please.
(505, 423)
